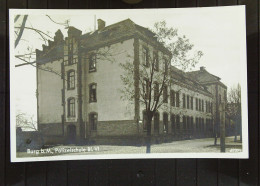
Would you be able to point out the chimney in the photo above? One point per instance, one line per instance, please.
(101, 24)
(202, 68)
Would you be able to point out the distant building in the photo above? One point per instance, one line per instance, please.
(79, 93)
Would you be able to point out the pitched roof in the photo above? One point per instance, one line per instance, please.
(185, 78)
(116, 32)
(204, 77)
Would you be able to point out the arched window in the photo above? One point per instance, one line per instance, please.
(71, 79)
(93, 121)
(93, 92)
(71, 107)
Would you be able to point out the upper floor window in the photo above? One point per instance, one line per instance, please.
(188, 101)
(70, 51)
(156, 90)
(92, 63)
(202, 105)
(145, 56)
(172, 98)
(71, 107)
(184, 101)
(191, 103)
(156, 61)
(71, 79)
(93, 121)
(146, 88)
(165, 95)
(166, 66)
(177, 99)
(93, 92)
(196, 103)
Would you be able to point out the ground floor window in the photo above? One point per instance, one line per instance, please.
(145, 120)
(173, 122)
(156, 122)
(93, 121)
(71, 107)
(165, 122)
(177, 122)
(184, 122)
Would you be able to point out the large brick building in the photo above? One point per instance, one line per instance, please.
(78, 88)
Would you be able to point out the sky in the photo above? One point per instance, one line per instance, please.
(219, 32)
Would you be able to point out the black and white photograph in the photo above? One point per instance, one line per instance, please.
(127, 84)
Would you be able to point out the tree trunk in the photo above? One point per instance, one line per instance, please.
(236, 123)
(148, 137)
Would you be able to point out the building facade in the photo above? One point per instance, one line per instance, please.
(79, 88)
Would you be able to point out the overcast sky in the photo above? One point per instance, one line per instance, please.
(218, 32)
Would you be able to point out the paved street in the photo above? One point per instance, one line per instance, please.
(187, 146)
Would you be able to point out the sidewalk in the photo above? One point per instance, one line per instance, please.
(205, 145)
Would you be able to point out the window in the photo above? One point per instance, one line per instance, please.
(191, 123)
(172, 98)
(145, 56)
(191, 103)
(156, 90)
(70, 51)
(219, 98)
(165, 66)
(199, 105)
(202, 124)
(184, 122)
(196, 103)
(92, 63)
(71, 79)
(188, 122)
(71, 107)
(202, 105)
(173, 122)
(188, 102)
(197, 123)
(156, 61)
(144, 120)
(184, 101)
(93, 92)
(93, 121)
(178, 122)
(156, 122)
(177, 99)
(165, 96)
(146, 88)
(165, 122)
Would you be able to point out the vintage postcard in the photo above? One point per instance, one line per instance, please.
(124, 84)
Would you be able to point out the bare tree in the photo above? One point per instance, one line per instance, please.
(154, 73)
(26, 122)
(234, 108)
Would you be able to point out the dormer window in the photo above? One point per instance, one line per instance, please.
(92, 63)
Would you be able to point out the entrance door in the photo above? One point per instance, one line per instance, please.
(71, 133)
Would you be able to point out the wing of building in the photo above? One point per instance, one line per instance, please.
(79, 89)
